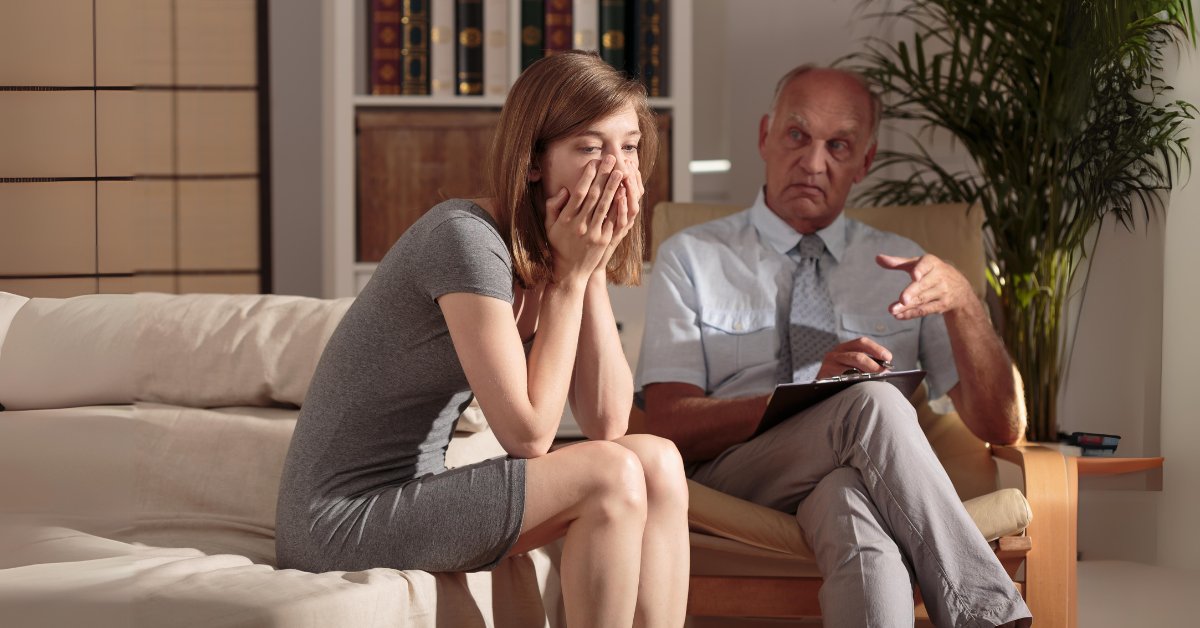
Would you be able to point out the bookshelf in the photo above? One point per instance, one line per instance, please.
(347, 95)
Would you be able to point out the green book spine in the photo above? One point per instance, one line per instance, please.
(533, 23)
(612, 32)
(468, 49)
(415, 51)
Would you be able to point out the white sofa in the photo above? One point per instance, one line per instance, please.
(140, 455)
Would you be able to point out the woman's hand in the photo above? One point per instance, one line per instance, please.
(626, 206)
(578, 224)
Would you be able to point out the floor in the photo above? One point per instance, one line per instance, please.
(1112, 594)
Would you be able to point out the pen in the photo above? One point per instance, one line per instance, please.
(881, 362)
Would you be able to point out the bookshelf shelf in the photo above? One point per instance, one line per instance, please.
(427, 101)
(345, 71)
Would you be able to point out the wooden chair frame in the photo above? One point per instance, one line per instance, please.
(1047, 551)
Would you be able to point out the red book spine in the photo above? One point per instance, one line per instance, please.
(385, 44)
(559, 31)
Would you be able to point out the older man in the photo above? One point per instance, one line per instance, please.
(792, 290)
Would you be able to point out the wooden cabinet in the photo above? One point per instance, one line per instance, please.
(390, 158)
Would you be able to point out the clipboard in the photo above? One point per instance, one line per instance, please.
(788, 399)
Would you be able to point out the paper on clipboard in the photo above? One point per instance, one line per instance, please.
(788, 399)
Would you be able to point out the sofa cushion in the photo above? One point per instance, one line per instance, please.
(69, 352)
(190, 350)
(163, 475)
(62, 577)
(9, 304)
(203, 350)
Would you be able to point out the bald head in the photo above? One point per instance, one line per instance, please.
(832, 78)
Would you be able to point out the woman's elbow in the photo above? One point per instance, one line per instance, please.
(529, 448)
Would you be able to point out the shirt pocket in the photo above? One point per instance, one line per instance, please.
(899, 337)
(735, 340)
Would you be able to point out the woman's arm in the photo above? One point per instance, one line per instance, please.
(602, 388)
(523, 401)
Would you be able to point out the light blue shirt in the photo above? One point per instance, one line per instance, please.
(720, 294)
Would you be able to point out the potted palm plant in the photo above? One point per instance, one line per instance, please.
(1064, 113)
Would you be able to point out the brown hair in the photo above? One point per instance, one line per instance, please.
(554, 98)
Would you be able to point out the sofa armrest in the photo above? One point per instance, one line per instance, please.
(1052, 488)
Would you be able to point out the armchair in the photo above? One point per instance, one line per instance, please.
(752, 561)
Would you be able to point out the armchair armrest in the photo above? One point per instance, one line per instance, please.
(1052, 489)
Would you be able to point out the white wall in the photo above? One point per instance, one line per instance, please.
(1179, 508)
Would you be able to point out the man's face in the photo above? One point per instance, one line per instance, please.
(817, 146)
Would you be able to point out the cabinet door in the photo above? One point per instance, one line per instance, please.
(412, 159)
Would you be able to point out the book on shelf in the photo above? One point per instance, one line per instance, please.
(613, 25)
(560, 34)
(414, 55)
(651, 46)
(495, 47)
(399, 47)
(468, 49)
(460, 47)
(585, 22)
(384, 46)
(441, 48)
(533, 25)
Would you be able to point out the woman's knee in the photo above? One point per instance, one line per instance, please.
(662, 466)
(618, 485)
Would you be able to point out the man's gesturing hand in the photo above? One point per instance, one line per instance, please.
(937, 287)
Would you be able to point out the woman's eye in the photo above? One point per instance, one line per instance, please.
(589, 149)
(630, 148)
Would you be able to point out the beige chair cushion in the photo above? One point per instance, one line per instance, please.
(774, 541)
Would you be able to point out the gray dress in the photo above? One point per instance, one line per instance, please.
(365, 483)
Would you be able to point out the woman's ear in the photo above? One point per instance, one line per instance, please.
(535, 173)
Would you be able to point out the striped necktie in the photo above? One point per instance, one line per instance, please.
(812, 331)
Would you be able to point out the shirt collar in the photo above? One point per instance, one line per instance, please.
(782, 237)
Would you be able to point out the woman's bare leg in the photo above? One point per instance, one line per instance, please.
(594, 493)
(666, 554)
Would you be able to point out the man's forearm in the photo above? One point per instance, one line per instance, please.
(988, 394)
(701, 427)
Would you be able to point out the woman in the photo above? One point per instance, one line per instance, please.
(503, 298)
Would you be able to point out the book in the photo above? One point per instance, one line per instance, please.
(789, 399)
(495, 47)
(612, 33)
(384, 47)
(468, 49)
(441, 47)
(414, 51)
(559, 30)
(585, 21)
(651, 65)
(533, 23)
